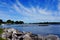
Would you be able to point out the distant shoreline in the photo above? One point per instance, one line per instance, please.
(37, 23)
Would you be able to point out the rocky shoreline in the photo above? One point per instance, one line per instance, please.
(13, 34)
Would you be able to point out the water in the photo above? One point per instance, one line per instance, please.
(42, 30)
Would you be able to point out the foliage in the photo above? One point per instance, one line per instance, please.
(19, 22)
(9, 21)
(1, 31)
(2, 38)
(1, 21)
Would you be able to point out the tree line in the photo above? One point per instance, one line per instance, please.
(11, 22)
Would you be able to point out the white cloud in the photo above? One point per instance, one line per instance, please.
(30, 11)
(33, 13)
(3, 15)
(59, 4)
(58, 7)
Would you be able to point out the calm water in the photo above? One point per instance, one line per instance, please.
(43, 30)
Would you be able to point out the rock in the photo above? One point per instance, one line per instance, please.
(27, 37)
(52, 37)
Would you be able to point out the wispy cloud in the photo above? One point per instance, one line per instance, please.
(35, 13)
(58, 7)
(5, 16)
(30, 14)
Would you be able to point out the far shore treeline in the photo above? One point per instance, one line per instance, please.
(22, 22)
(11, 22)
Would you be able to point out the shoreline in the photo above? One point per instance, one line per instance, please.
(25, 35)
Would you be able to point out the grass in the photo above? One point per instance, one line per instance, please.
(1, 30)
(2, 38)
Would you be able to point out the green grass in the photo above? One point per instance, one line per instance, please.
(1, 30)
(2, 38)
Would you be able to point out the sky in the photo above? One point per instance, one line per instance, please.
(30, 11)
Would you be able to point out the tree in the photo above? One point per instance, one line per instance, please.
(19, 22)
(16, 22)
(1, 21)
(10, 22)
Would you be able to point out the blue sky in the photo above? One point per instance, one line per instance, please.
(30, 10)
